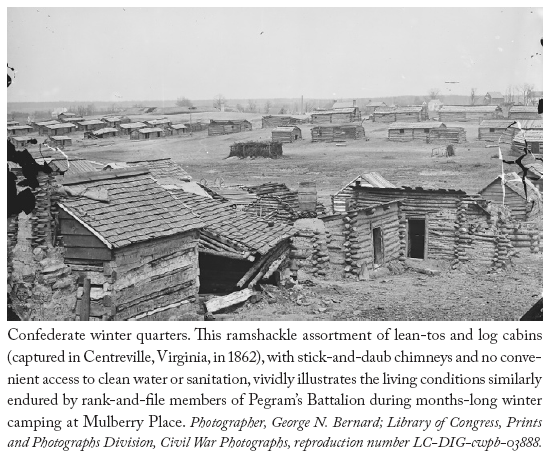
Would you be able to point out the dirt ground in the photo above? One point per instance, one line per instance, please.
(408, 296)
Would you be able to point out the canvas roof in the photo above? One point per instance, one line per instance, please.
(91, 122)
(228, 121)
(179, 126)
(285, 129)
(113, 118)
(46, 123)
(250, 233)
(138, 208)
(60, 125)
(132, 125)
(154, 122)
(497, 123)
(105, 130)
(19, 127)
(468, 108)
(530, 124)
(149, 130)
(392, 110)
(335, 111)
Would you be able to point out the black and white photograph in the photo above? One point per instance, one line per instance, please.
(274, 164)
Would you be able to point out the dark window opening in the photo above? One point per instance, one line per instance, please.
(416, 238)
(426, 131)
(491, 130)
(295, 137)
(401, 131)
(378, 246)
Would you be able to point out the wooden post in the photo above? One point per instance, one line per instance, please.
(85, 302)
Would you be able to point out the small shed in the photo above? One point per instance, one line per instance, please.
(13, 123)
(228, 126)
(115, 121)
(286, 134)
(416, 113)
(60, 129)
(180, 129)
(75, 121)
(20, 142)
(405, 132)
(373, 106)
(336, 115)
(61, 141)
(282, 120)
(520, 204)
(147, 133)
(163, 123)
(105, 132)
(533, 138)
(495, 130)
(469, 112)
(128, 128)
(19, 130)
(493, 98)
(524, 112)
(341, 200)
(40, 126)
(91, 125)
(136, 243)
(335, 132)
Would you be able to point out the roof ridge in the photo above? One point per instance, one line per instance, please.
(104, 175)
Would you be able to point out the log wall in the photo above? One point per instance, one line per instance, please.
(516, 203)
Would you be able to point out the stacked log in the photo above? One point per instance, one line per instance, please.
(447, 135)
(12, 240)
(351, 245)
(41, 216)
(320, 255)
(523, 238)
(402, 231)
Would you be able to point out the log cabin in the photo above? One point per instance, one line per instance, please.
(66, 116)
(147, 133)
(447, 135)
(336, 116)
(20, 142)
(341, 200)
(406, 132)
(136, 243)
(19, 130)
(180, 129)
(59, 141)
(270, 121)
(12, 123)
(496, 130)
(417, 113)
(236, 249)
(336, 132)
(162, 123)
(522, 207)
(533, 139)
(40, 126)
(225, 127)
(373, 106)
(469, 112)
(115, 121)
(128, 128)
(106, 132)
(524, 112)
(493, 98)
(91, 125)
(288, 134)
(60, 129)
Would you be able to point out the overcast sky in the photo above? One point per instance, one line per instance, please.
(163, 53)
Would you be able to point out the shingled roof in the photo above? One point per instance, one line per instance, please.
(243, 233)
(138, 209)
(165, 170)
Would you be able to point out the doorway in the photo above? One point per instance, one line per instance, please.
(378, 246)
(417, 238)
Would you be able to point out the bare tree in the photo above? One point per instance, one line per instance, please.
(433, 93)
(526, 90)
(308, 106)
(509, 95)
(267, 106)
(219, 100)
(251, 106)
(473, 95)
(240, 108)
(183, 102)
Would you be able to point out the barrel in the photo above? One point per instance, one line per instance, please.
(307, 196)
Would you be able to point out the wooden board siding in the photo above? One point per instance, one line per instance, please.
(494, 134)
(333, 133)
(445, 116)
(286, 136)
(516, 203)
(156, 274)
(409, 134)
(448, 135)
(218, 128)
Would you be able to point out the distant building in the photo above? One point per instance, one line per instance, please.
(336, 116)
(434, 105)
(372, 106)
(20, 142)
(228, 126)
(60, 129)
(19, 130)
(282, 120)
(469, 112)
(115, 121)
(105, 132)
(91, 125)
(61, 141)
(404, 132)
(286, 134)
(40, 126)
(127, 129)
(524, 112)
(533, 138)
(335, 132)
(415, 113)
(147, 133)
(493, 98)
(180, 129)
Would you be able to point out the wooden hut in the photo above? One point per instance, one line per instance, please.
(272, 150)
(469, 112)
(128, 128)
(373, 106)
(180, 129)
(61, 141)
(341, 200)
(446, 135)
(147, 133)
(335, 132)
(40, 126)
(270, 121)
(237, 250)
(75, 121)
(106, 132)
(162, 123)
(136, 243)
(374, 243)
(406, 132)
(20, 142)
(91, 125)
(533, 138)
(60, 129)
(115, 121)
(443, 224)
(19, 131)
(524, 112)
(336, 115)
(286, 134)
(13, 123)
(225, 127)
(401, 114)
(495, 130)
(493, 98)
(522, 206)
(67, 117)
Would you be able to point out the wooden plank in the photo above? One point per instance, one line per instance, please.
(73, 227)
(222, 302)
(82, 241)
(85, 304)
(99, 254)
